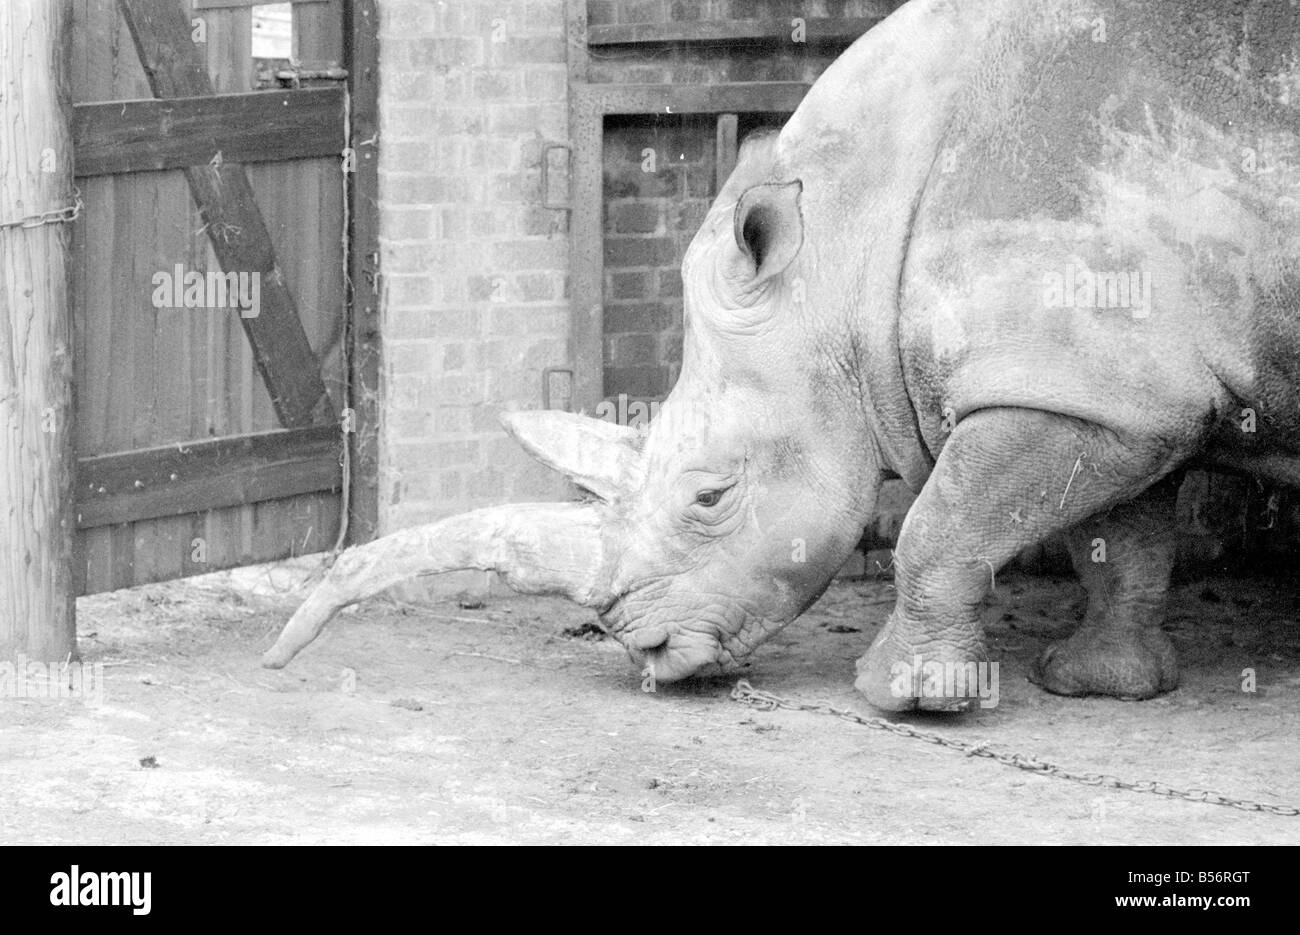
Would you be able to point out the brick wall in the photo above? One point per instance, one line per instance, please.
(474, 269)
(659, 182)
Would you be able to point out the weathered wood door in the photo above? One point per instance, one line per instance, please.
(210, 290)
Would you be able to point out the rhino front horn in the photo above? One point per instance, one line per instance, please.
(539, 548)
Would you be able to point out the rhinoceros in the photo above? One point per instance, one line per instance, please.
(1034, 257)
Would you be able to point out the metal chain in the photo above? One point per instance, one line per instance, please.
(65, 215)
(766, 701)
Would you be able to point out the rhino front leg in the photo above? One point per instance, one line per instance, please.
(1123, 559)
(1006, 478)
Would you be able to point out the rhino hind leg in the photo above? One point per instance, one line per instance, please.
(1005, 479)
(1123, 559)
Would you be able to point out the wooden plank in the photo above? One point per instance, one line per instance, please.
(228, 53)
(318, 34)
(233, 222)
(97, 32)
(816, 29)
(159, 546)
(100, 72)
(174, 480)
(365, 346)
(121, 567)
(164, 371)
(304, 195)
(742, 97)
(311, 197)
(231, 4)
(267, 126)
(294, 526)
(163, 375)
(142, 197)
(726, 147)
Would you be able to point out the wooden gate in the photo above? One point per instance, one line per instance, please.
(223, 293)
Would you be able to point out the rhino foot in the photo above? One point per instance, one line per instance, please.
(901, 674)
(1119, 649)
(1122, 663)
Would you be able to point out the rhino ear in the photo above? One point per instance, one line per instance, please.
(600, 456)
(768, 226)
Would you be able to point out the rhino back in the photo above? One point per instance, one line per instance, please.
(1152, 144)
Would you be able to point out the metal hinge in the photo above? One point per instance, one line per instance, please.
(296, 75)
(557, 388)
(547, 149)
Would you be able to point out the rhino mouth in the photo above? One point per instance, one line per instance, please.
(676, 659)
(675, 651)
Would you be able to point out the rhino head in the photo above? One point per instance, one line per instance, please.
(708, 532)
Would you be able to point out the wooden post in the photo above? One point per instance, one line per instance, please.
(728, 127)
(36, 456)
(361, 58)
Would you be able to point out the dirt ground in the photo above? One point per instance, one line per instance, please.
(446, 724)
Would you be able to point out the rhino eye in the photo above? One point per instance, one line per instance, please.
(709, 497)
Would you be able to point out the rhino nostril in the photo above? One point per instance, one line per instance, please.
(650, 638)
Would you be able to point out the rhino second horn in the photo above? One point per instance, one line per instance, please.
(539, 548)
(598, 456)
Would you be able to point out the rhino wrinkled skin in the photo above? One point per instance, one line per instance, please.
(1032, 256)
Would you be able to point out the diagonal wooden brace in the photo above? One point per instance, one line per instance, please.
(234, 224)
